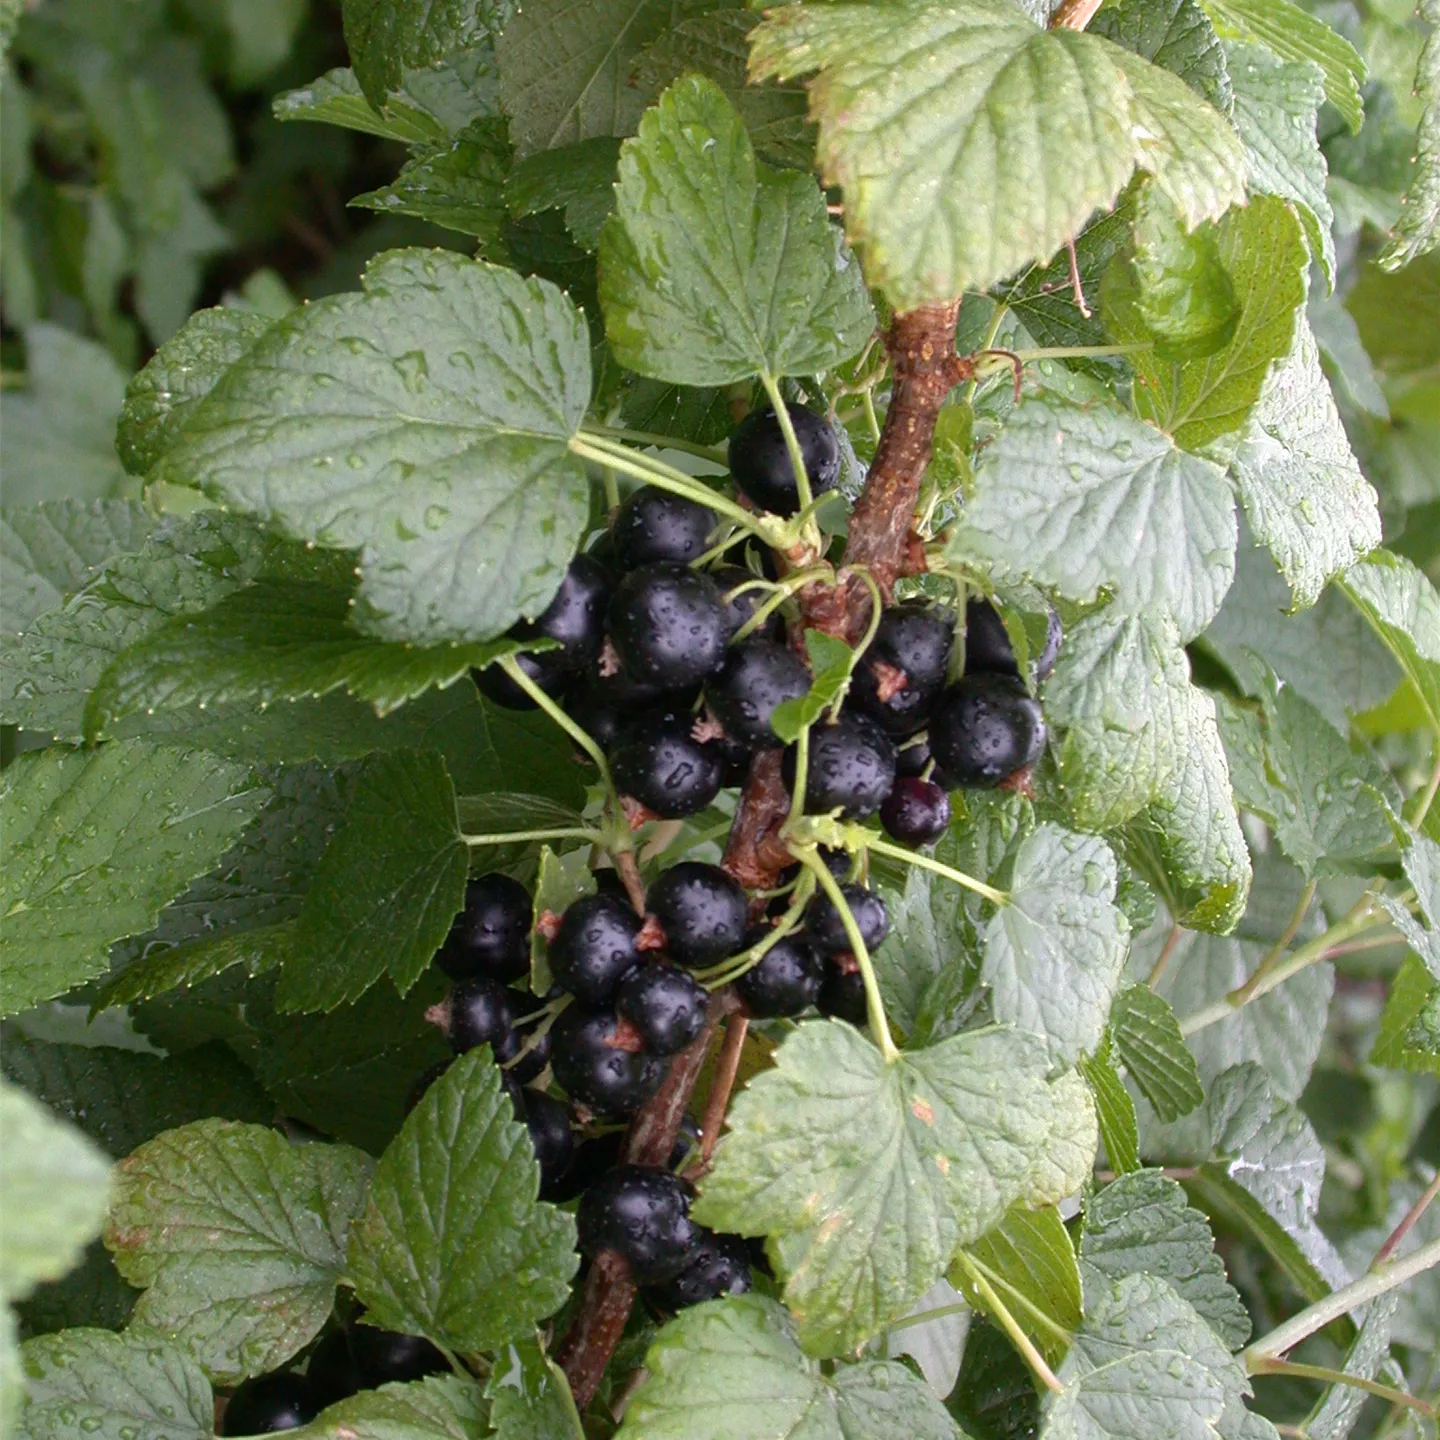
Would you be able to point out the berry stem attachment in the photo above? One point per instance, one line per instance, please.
(1008, 1323)
(781, 591)
(914, 857)
(660, 442)
(797, 460)
(581, 737)
(516, 837)
(728, 971)
(875, 1006)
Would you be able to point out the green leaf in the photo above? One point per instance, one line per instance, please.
(1176, 35)
(1082, 499)
(920, 1156)
(434, 440)
(832, 662)
(1148, 1042)
(387, 888)
(530, 1397)
(734, 1370)
(1054, 954)
(387, 37)
(1275, 109)
(1397, 316)
(559, 880)
(1403, 608)
(113, 1387)
(453, 1244)
(439, 1407)
(579, 179)
(714, 267)
(1418, 229)
(56, 1186)
(459, 187)
(336, 99)
(162, 397)
(1200, 402)
(1295, 35)
(237, 1238)
(1399, 1043)
(60, 428)
(1421, 862)
(95, 843)
(1336, 1412)
(1142, 1222)
(929, 940)
(1119, 1129)
(1048, 125)
(93, 1294)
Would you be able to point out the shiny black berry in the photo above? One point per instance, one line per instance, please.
(757, 676)
(642, 1213)
(906, 663)
(842, 995)
(985, 728)
(987, 643)
(760, 459)
(482, 1012)
(912, 758)
(548, 1121)
(668, 625)
(659, 762)
(575, 617)
(655, 525)
(536, 1057)
(852, 767)
(595, 947)
(739, 608)
(687, 1144)
(702, 910)
(916, 812)
(720, 1265)
(491, 935)
(332, 1371)
(595, 1068)
(826, 931)
(785, 982)
(385, 1357)
(547, 668)
(666, 1006)
(269, 1403)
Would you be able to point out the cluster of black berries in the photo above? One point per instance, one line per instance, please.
(347, 1360)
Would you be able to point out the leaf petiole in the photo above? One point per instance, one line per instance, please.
(581, 737)
(517, 837)
(1340, 1377)
(924, 862)
(716, 453)
(810, 537)
(1008, 1323)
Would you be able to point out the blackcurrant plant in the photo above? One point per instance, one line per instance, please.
(776, 777)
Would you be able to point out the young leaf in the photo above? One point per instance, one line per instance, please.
(579, 179)
(335, 98)
(715, 268)
(1149, 1044)
(1176, 35)
(1404, 1041)
(1115, 1110)
(529, 1396)
(919, 1157)
(94, 844)
(388, 37)
(929, 941)
(734, 1370)
(1054, 954)
(1403, 608)
(453, 1244)
(434, 440)
(237, 1238)
(909, 146)
(1418, 228)
(831, 663)
(1085, 498)
(91, 1382)
(439, 1407)
(1143, 1222)
(387, 888)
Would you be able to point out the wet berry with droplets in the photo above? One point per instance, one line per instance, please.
(757, 676)
(668, 625)
(643, 1214)
(739, 608)
(482, 1012)
(659, 762)
(575, 618)
(269, 1404)
(985, 728)
(491, 935)
(852, 767)
(903, 671)
(916, 812)
(719, 1266)
(591, 1060)
(987, 643)
(666, 1006)
(594, 947)
(825, 929)
(760, 459)
(702, 910)
(786, 980)
(654, 525)
(548, 1121)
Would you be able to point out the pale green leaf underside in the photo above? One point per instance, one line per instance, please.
(424, 423)
(335, 98)
(1417, 232)
(1403, 608)
(969, 143)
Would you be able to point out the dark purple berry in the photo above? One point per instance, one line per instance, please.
(332, 1371)
(826, 930)
(643, 1213)
(757, 676)
(654, 525)
(760, 459)
(916, 812)
(739, 608)
(842, 996)
(687, 1144)
(659, 762)
(666, 1006)
(597, 1071)
(720, 1266)
(702, 910)
(911, 650)
(987, 643)
(482, 1012)
(913, 757)
(575, 617)
(668, 625)
(548, 1121)
(852, 767)
(385, 1357)
(785, 982)
(270, 1403)
(532, 1061)
(592, 1159)
(595, 947)
(491, 935)
(547, 668)
(985, 728)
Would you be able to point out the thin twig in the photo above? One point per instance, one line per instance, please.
(1326, 1376)
(1412, 1217)
(1162, 961)
(629, 873)
(1074, 14)
(1076, 288)
(1272, 956)
(727, 1067)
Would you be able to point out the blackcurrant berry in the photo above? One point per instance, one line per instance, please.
(903, 670)
(482, 1012)
(533, 1060)
(852, 767)
(596, 1070)
(826, 931)
(666, 1006)
(842, 996)
(654, 525)
(687, 1144)
(913, 757)
(720, 1265)
(385, 1357)
(659, 762)
(547, 668)
(491, 935)
(756, 677)
(985, 728)
(739, 608)
(642, 1213)
(548, 1121)
(668, 625)
(269, 1403)
(987, 643)
(575, 617)
(785, 982)
(760, 458)
(332, 1371)
(916, 812)
(592, 1159)
(702, 910)
(594, 947)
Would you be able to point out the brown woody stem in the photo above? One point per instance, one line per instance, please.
(1074, 14)
(727, 1067)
